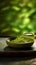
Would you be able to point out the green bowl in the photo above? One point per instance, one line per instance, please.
(19, 45)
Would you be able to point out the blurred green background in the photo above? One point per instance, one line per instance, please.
(17, 17)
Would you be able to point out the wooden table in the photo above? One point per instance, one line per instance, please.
(18, 61)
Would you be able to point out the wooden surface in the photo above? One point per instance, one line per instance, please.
(7, 51)
(16, 60)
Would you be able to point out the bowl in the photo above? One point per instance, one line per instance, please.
(19, 44)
